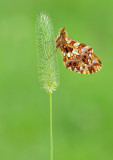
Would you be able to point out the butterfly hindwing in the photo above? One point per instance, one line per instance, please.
(77, 56)
(80, 58)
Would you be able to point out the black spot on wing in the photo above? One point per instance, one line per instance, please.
(66, 50)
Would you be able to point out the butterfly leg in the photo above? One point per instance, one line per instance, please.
(50, 40)
(52, 54)
(70, 36)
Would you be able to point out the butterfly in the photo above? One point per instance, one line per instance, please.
(77, 56)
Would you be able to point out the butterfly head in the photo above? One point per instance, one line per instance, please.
(62, 33)
(60, 37)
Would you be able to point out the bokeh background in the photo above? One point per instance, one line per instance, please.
(82, 104)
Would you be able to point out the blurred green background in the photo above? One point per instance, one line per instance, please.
(82, 104)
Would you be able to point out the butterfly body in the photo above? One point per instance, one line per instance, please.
(77, 56)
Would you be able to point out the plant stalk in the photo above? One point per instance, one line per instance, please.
(51, 134)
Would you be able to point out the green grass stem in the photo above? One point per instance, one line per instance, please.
(51, 131)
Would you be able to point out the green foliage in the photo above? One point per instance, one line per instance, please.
(46, 46)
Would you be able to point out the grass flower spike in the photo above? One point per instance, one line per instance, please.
(46, 46)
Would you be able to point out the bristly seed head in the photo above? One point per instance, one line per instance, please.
(48, 72)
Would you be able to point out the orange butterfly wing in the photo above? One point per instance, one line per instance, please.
(79, 57)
